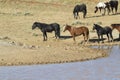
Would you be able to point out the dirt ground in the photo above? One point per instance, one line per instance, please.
(20, 45)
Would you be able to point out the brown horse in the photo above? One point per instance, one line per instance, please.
(116, 26)
(78, 31)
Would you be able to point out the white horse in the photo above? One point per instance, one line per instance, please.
(102, 5)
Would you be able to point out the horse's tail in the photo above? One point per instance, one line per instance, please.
(85, 10)
(88, 36)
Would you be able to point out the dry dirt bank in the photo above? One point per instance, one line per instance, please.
(50, 52)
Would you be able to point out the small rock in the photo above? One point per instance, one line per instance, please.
(12, 43)
(48, 46)
(2, 59)
(20, 44)
(6, 38)
(32, 46)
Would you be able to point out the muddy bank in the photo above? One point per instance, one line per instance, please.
(57, 52)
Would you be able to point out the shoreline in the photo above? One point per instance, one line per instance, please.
(14, 55)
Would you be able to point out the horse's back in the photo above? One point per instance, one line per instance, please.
(80, 7)
(108, 29)
(55, 25)
(82, 29)
(113, 3)
(116, 26)
(101, 4)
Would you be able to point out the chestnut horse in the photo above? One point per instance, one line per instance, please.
(76, 31)
(116, 26)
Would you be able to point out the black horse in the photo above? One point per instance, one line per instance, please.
(101, 31)
(114, 4)
(47, 28)
(79, 8)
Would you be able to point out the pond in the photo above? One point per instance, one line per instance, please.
(107, 68)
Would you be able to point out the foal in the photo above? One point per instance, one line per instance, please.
(78, 31)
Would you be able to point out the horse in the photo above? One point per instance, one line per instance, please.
(104, 6)
(47, 28)
(79, 8)
(116, 26)
(76, 31)
(102, 31)
(114, 4)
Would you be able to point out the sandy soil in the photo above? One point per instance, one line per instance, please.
(20, 45)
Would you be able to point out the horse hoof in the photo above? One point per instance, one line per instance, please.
(102, 42)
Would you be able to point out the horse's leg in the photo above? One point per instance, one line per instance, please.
(116, 9)
(84, 13)
(87, 37)
(100, 10)
(108, 37)
(74, 38)
(45, 36)
(56, 34)
(108, 10)
(119, 36)
(104, 11)
(84, 35)
(98, 38)
(111, 36)
(112, 10)
(78, 15)
(75, 15)
(102, 38)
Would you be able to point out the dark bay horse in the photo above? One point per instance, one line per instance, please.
(47, 28)
(114, 4)
(103, 31)
(76, 31)
(116, 26)
(79, 8)
(104, 6)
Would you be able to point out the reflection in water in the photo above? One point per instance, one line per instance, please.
(102, 47)
(100, 69)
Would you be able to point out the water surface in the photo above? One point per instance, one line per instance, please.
(100, 69)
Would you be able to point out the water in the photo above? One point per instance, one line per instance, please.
(100, 69)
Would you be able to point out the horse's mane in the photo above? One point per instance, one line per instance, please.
(72, 27)
(98, 26)
(68, 25)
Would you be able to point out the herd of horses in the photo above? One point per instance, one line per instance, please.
(110, 6)
(76, 31)
(82, 30)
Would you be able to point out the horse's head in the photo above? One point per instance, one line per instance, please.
(94, 26)
(97, 27)
(96, 9)
(75, 15)
(34, 25)
(66, 27)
